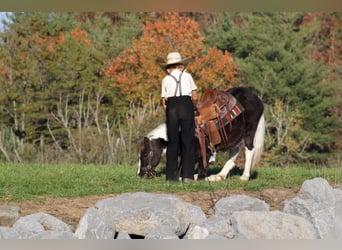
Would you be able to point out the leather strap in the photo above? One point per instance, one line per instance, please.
(178, 84)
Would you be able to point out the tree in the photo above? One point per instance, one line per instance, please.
(268, 48)
(137, 75)
(50, 66)
(325, 45)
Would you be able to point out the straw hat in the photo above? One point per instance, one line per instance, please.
(174, 58)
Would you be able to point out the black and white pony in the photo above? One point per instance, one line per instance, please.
(150, 149)
(246, 131)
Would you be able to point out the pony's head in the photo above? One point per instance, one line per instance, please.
(149, 152)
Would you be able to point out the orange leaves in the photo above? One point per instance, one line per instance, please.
(80, 35)
(214, 70)
(50, 42)
(3, 71)
(137, 73)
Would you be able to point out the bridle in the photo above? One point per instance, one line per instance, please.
(150, 172)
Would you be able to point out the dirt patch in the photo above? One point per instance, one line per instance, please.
(70, 210)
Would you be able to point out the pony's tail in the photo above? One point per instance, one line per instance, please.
(258, 142)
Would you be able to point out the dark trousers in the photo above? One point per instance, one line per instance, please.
(180, 115)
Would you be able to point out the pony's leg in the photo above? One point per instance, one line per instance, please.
(249, 154)
(253, 156)
(229, 165)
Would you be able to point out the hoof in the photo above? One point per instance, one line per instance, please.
(244, 178)
(215, 178)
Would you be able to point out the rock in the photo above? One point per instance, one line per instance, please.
(217, 225)
(215, 237)
(95, 224)
(226, 206)
(197, 232)
(316, 203)
(271, 225)
(162, 232)
(33, 224)
(7, 233)
(315, 213)
(53, 235)
(338, 213)
(140, 213)
(9, 215)
(122, 236)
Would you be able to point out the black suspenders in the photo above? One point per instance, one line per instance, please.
(178, 84)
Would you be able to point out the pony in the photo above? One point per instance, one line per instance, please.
(246, 131)
(150, 150)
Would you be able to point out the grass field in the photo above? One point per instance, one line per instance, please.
(20, 182)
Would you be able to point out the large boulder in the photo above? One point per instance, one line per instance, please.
(7, 233)
(96, 224)
(140, 213)
(338, 213)
(31, 226)
(162, 232)
(54, 235)
(9, 215)
(225, 207)
(316, 203)
(271, 225)
(214, 227)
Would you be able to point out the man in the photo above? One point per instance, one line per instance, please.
(179, 94)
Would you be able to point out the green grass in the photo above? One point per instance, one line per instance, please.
(20, 182)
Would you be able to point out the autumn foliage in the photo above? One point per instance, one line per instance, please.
(50, 42)
(326, 38)
(136, 71)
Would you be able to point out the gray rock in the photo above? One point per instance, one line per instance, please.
(318, 190)
(95, 224)
(315, 213)
(338, 213)
(9, 215)
(217, 225)
(53, 235)
(226, 206)
(139, 213)
(8, 233)
(123, 236)
(37, 223)
(316, 203)
(215, 237)
(162, 232)
(271, 225)
(197, 232)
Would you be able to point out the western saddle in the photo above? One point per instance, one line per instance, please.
(215, 110)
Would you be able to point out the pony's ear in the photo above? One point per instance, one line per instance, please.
(146, 140)
(141, 144)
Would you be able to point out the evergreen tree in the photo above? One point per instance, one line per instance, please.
(268, 48)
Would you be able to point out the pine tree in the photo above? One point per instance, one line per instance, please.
(268, 48)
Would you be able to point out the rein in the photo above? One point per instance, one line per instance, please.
(150, 155)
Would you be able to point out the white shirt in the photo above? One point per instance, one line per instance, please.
(169, 84)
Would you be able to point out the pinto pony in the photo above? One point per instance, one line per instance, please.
(247, 130)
